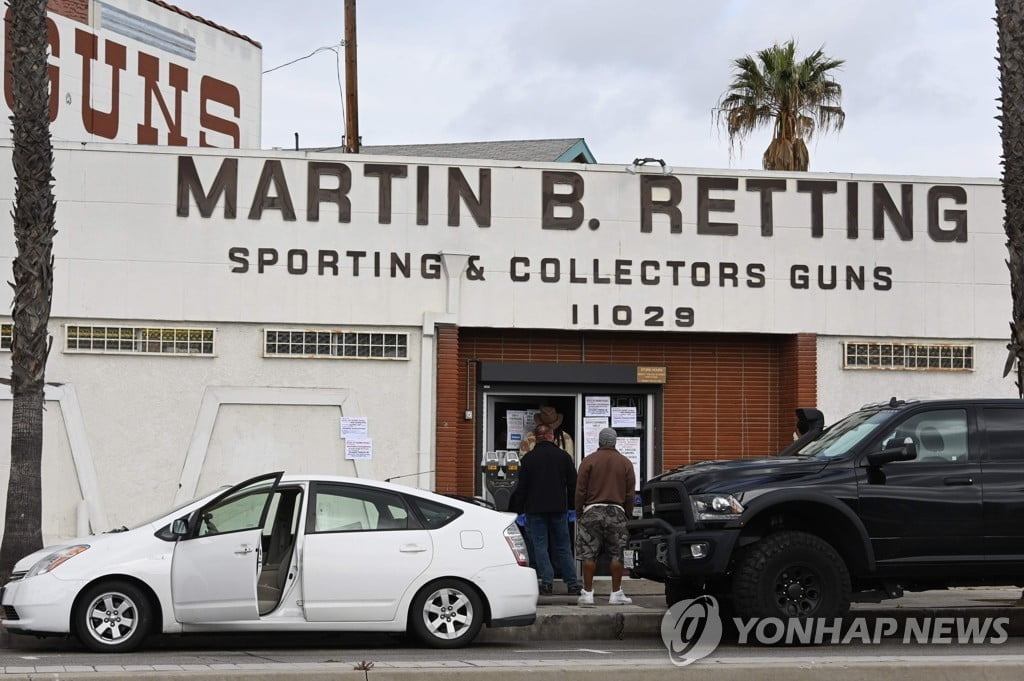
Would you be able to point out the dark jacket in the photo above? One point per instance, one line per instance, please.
(547, 481)
(606, 477)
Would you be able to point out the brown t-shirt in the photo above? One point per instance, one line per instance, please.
(606, 477)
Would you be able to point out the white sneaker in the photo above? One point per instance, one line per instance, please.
(619, 598)
(586, 598)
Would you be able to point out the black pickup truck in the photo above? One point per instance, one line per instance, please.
(901, 495)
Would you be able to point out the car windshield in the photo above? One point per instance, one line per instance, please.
(843, 435)
(167, 512)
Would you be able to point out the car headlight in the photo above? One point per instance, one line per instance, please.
(716, 506)
(54, 559)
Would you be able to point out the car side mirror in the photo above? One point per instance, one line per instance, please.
(179, 528)
(894, 451)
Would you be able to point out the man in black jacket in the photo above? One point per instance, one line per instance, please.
(544, 492)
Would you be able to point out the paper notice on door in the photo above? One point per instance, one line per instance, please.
(592, 426)
(514, 422)
(598, 405)
(623, 417)
(630, 448)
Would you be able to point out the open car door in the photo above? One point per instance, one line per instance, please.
(217, 561)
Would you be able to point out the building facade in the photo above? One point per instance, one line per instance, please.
(221, 313)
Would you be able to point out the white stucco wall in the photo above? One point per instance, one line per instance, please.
(841, 391)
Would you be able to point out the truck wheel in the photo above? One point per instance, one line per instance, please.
(791, 574)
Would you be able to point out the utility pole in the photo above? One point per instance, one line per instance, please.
(351, 87)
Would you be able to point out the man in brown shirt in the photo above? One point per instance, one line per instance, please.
(605, 489)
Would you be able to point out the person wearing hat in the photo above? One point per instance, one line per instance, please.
(549, 416)
(605, 490)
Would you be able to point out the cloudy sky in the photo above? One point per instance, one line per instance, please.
(634, 79)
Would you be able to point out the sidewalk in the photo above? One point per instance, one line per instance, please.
(559, 618)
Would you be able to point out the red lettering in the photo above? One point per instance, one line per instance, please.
(100, 123)
(149, 69)
(219, 92)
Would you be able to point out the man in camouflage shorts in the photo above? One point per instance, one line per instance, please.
(605, 489)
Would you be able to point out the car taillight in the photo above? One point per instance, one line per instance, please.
(518, 545)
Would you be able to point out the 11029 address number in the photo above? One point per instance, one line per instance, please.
(624, 315)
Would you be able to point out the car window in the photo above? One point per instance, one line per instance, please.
(435, 514)
(236, 513)
(842, 436)
(342, 508)
(1004, 428)
(940, 436)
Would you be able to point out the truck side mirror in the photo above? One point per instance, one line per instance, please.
(894, 451)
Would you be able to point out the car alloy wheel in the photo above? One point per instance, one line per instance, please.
(112, 617)
(447, 614)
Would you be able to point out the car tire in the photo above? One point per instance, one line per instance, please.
(791, 574)
(112, 617)
(447, 613)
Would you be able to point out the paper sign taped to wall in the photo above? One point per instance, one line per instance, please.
(354, 426)
(358, 449)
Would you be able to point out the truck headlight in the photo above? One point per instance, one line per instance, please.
(54, 559)
(716, 506)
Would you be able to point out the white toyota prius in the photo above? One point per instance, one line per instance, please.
(284, 553)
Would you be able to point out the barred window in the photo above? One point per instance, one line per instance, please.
(6, 334)
(335, 344)
(139, 340)
(908, 356)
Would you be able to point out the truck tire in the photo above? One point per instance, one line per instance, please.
(791, 574)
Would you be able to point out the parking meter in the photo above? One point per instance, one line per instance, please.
(501, 471)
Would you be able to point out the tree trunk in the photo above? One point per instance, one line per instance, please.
(34, 208)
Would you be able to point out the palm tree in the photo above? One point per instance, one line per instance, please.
(1010, 29)
(794, 97)
(34, 208)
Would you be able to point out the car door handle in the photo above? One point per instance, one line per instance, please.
(958, 480)
(244, 549)
(412, 548)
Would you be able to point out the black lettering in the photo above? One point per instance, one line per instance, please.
(854, 278)
(649, 279)
(705, 205)
(327, 260)
(623, 272)
(816, 188)
(598, 279)
(458, 188)
(316, 194)
(654, 315)
(224, 184)
(827, 282)
(272, 174)
(852, 210)
(422, 194)
(622, 315)
(883, 206)
(550, 270)
(883, 278)
(384, 172)
(799, 277)
(957, 217)
(431, 266)
(700, 274)
(265, 257)
(670, 207)
(551, 200)
(355, 256)
(766, 188)
(675, 266)
(239, 255)
(728, 271)
(755, 275)
(513, 269)
(575, 278)
(400, 264)
(298, 261)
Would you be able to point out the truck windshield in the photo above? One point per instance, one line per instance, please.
(842, 436)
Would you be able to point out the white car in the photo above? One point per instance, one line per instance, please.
(284, 553)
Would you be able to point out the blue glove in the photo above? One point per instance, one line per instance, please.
(521, 520)
(572, 516)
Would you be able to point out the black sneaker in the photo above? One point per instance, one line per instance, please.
(545, 590)
(575, 589)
